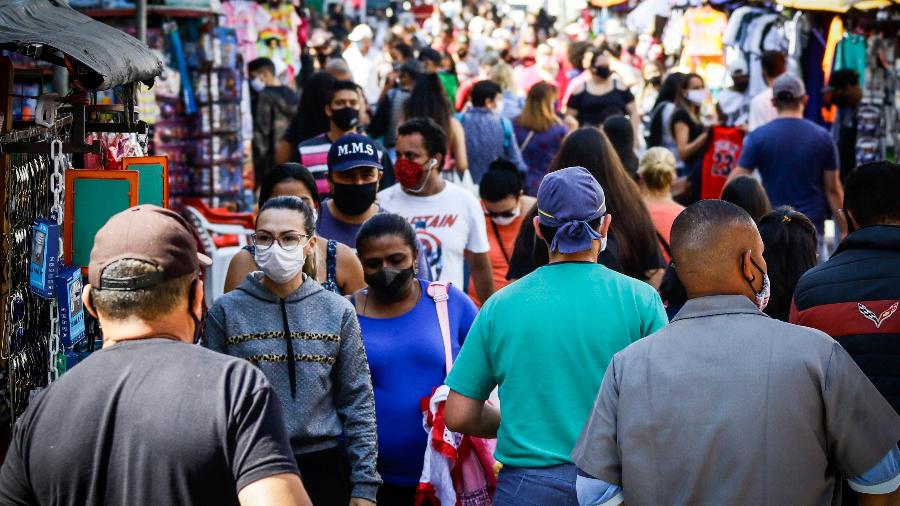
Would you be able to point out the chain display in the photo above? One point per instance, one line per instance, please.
(31, 330)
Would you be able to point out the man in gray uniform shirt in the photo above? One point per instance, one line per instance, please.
(728, 406)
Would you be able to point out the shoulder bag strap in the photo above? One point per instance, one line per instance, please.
(665, 244)
(526, 141)
(500, 241)
(438, 290)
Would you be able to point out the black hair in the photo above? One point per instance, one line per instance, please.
(773, 63)
(383, 224)
(341, 86)
(843, 78)
(670, 86)
(700, 223)
(405, 50)
(790, 240)
(746, 193)
(484, 91)
(550, 232)
(310, 119)
(428, 99)
(284, 172)
(292, 203)
(429, 54)
(261, 64)
(872, 193)
(434, 136)
(668, 92)
(621, 134)
(502, 180)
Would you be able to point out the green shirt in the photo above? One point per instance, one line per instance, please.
(546, 340)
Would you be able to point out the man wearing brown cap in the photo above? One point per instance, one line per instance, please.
(151, 418)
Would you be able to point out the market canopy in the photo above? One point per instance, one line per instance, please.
(834, 5)
(99, 56)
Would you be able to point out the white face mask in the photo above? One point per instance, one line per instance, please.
(697, 96)
(280, 265)
(507, 220)
(603, 242)
(257, 84)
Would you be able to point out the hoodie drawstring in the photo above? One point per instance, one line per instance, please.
(292, 363)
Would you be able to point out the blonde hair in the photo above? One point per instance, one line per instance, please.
(657, 169)
(538, 114)
(502, 74)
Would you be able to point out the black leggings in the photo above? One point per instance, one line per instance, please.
(326, 476)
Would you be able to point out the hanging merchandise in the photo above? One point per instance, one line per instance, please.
(44, 257)
(851, 54)
(720, 159)
(69, 285)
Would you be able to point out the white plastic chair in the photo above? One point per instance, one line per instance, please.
(221, 257)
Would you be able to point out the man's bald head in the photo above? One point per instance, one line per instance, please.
(714, 244)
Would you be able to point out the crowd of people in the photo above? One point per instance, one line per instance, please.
(525, 225)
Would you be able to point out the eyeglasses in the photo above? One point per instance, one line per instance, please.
(288, 242)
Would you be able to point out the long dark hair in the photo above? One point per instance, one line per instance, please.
(310, 119)
(667, 94)
(620, 133)
(283, 172)
(429, 100)
(632, 229)
(790, 240)
(746, 193)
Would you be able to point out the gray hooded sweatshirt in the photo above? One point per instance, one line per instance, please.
(326, 390)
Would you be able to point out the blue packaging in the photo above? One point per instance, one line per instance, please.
(69, 286)
(44, 257)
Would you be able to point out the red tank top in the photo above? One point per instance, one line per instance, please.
(720, 159)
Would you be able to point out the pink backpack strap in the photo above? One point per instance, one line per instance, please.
(439, 291)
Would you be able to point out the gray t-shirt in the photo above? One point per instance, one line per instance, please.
(154, 421)
(728, 406)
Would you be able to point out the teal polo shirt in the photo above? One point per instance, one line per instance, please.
(546, 340)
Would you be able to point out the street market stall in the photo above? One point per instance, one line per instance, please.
(50, 209)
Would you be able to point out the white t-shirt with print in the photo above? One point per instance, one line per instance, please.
(447, 224)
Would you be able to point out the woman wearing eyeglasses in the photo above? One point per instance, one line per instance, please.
(332, 264)
(307, 341)
(503, 198)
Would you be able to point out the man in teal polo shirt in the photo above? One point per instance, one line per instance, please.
(546, 341)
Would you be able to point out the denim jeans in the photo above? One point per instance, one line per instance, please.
(537, 486)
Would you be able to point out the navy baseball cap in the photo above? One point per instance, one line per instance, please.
(353, 150)
(567, 200)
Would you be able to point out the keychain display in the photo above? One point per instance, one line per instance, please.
(69, 286)
(44, 257)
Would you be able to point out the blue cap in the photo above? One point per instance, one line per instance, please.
(567, 200)
(353, 150)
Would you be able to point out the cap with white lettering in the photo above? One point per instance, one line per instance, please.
(353, 150)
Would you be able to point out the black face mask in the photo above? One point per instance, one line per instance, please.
(655, 81)
(346, 119)
(354, 199)
(390, 285)
(602, 71)
(741, 87)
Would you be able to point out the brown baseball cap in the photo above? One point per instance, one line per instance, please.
(148, 233)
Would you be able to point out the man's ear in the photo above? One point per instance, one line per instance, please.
(747, 270)
(537, 228)
(604, 225)
(198, 295)
(86, 300)
(328, 111)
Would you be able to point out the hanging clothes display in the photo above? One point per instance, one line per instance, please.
(750, 32)
(851, 54)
